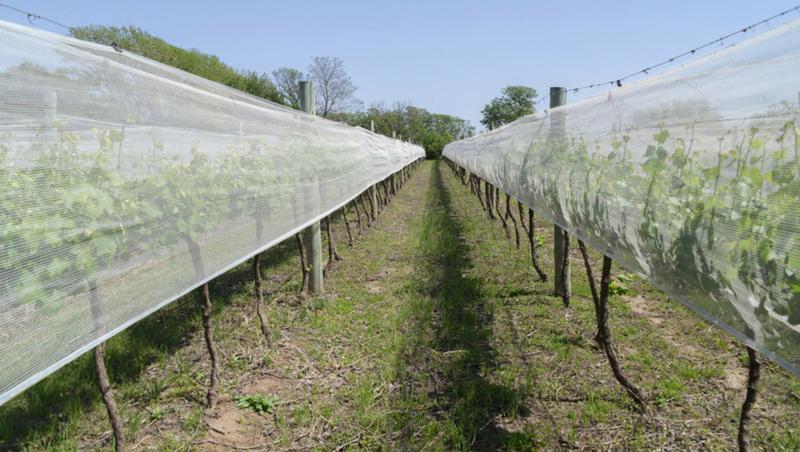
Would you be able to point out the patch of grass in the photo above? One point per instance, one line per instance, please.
(794, 389)
(668, 389)
(193, 419)
(686, 370)
(447, 353)
(595, 410)
(302, 415)
(134, 423)
(158, 412)
(171, 442)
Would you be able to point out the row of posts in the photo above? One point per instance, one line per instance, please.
(312, 236)
(561, 270)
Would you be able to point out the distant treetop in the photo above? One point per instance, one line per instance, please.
(513, 103)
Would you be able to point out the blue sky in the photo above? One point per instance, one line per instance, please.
(447, 56)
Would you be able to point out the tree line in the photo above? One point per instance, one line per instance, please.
(193, 61)
(335, 90)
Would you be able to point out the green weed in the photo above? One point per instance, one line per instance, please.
(260, 403)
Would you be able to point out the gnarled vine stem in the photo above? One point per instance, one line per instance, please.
(603, 331)
(753, 375)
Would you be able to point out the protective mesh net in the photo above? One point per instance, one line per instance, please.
(125, 183)
(690, 178)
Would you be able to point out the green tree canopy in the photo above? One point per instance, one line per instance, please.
(432, 131)
(202, 64)
(514, 102)
(286, 80)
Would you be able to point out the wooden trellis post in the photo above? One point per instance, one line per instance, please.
(373, 191)
(561, 271)
(312, 236)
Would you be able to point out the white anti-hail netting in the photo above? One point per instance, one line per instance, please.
(125, 183)
(690, 178)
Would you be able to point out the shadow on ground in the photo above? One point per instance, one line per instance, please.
(447, 352)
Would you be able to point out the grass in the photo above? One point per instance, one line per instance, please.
(447, 351)
(435, 334)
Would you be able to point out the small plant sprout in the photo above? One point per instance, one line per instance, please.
(260, 403)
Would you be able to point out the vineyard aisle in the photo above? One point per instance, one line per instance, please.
(434, 334)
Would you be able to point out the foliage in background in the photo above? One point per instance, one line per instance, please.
(334, 88)
(286, 80)
(430, 130)
(194, 61)
(513, 103)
